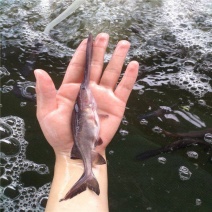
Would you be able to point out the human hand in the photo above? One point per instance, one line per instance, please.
(54, 107)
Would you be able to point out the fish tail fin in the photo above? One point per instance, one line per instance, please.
(81, 185)
(93, 184)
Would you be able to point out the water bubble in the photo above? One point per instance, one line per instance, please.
(5, 131)
(43, 201)
(208, 138)
(143, 122)
(26, 89)
(22, 104)
(140, 92)
(2, 170)
(8, 165)
(9, 146)
(198, 202)
(192, 154)
(11, 191)
(10, 121)
(162, 160)
(2, 161)
(6, 88)
(111, 152)
(5, 181)
(125, 122)
(184, 173)
(123, 132)
(4, 72)
(43, 169)
(157, 129)
(31, 190)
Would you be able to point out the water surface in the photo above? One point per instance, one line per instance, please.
(171, 40)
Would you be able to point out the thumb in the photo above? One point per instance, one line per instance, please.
(46, 94)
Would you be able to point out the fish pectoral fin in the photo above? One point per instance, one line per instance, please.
(97, 159)
(98, 142)
(75, 153)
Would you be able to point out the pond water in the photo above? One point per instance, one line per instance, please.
(171, 40)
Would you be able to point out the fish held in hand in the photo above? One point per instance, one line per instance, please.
(85, 129)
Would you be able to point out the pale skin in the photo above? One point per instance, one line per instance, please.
(54, 109)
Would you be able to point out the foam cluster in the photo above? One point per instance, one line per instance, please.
(4, 72)
(14, 196)
(26, 89)
(197, 84)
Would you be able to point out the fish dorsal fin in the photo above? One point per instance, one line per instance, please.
(97, 159)
(75, 153)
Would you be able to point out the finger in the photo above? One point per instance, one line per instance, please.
(113, 70)
(99, 48)
(124, 88)
(45, 93)
(74, 72)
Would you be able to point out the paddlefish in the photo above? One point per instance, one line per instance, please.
(85, 127)
(157, 113)
(182, 143)
(192, 134)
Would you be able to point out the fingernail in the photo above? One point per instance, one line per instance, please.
(37, 72)
(124, 43)
(101, 38)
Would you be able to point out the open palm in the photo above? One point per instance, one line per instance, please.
(54, 107)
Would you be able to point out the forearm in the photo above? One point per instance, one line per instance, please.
(67, 172)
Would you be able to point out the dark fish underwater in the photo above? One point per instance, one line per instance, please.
(185, 140)
(85, 128)
(192, 134)
(157, 113)
(179, 144)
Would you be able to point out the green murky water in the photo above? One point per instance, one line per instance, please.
(171, 40)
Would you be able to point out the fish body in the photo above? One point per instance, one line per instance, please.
(192, 134)
(179, 144)
(85, 129)
(157, 113)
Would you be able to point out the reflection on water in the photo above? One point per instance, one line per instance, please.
(172, 42)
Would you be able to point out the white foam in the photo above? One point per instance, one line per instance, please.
(14, 196)
(189, 21)
(197, 84)
(4, 72)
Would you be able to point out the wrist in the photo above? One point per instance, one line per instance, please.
(67, 172)
(65, 156)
